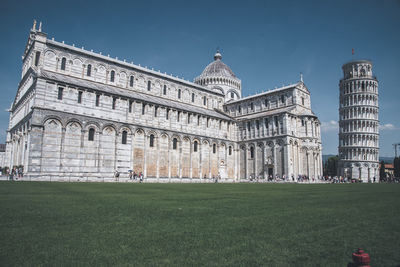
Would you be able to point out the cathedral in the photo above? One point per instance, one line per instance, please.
(80, 116)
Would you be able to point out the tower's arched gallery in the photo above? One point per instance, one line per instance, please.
(82, 115)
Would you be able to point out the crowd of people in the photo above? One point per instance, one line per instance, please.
(18, 173)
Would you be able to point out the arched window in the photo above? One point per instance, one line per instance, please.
(214, 148)
(204, 100)
(89, 70)
(112, 76)
(174, 143)
(232, 95)
(37, 57)
(195, 144)
(124, 137)
(63, 63)
(148, 85)
(114, 101)
(165, 90)
(131, 80)
(91, 134)
(179, 93)
(152, 140)
(252, 152)
(143, 108)
(230, 150)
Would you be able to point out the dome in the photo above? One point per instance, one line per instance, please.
(218, 68)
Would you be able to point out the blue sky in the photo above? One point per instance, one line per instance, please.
(266, 43)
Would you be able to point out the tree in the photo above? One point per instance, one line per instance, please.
(382, 172)
(396, 165)
(331, 165)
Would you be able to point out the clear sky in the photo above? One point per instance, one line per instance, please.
(266, 43)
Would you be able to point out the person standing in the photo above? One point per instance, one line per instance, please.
(116, 175)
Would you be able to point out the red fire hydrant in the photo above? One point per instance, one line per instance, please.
(361, 259)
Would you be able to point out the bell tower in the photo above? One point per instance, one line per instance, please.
(359, 122)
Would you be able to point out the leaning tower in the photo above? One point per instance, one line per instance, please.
(358, 122)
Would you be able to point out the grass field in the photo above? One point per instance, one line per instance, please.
(58, 224)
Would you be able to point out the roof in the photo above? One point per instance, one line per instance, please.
(130, 94)
(257, 115)
(217, 68)
(263, 93)
(131, 65)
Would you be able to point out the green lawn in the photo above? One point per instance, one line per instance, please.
(96, 224)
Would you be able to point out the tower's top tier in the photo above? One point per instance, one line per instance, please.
(357, 69)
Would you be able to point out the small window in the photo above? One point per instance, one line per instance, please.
(266, 123)
(124, 137)
(220, 124)
(63, 63)
(152, 140)
(130, 106)
(230, 150)
(248, 126)
(89, 70)
(143, 108)
(266, 102)
(204, 100)
(232, 95)
(302, 122)
(252, 152)
(165, 90)
(60, 93)
(208, 122)
(166, 114)
(282, 98)
(198, 120)
(131, 80)
(257, 125)
(188, 118)
(80, 97)
(148, 85)
(91, 134)
(179, 93)
(178, 116)
(113, 102)
(240, 109)
(97, 100)
(174, 143)
(276, 121)
(302, 101)
(37, 57)
(214, 148)
(192, 97)
(195, 144)
(112, 76)
(155, 111)
(252, 106)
